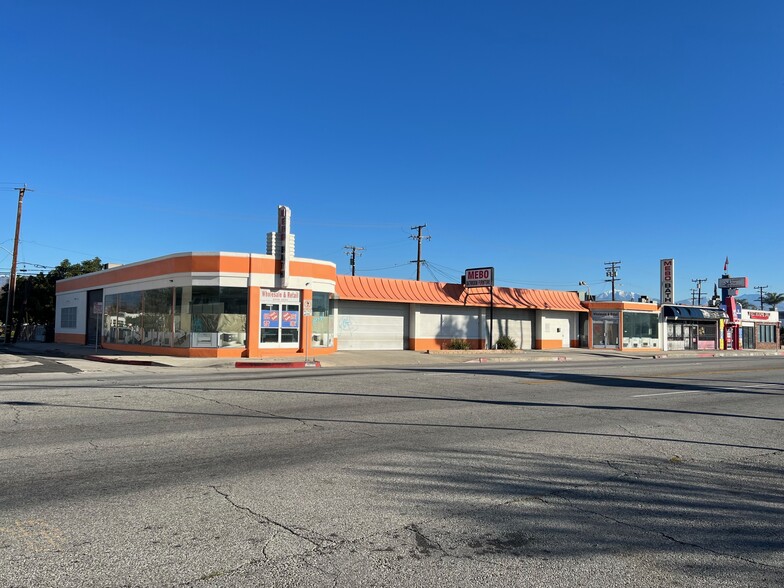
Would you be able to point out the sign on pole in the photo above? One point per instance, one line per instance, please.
(479, 277)
(731, 283)
(667, 281)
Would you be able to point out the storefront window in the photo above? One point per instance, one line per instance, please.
(157, 317)
(280, 318)
(191, 316)
(640, 329)
(690, 335)
(767, 333)
(322, 319)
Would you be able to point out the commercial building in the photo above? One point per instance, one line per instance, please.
(760, 329)
(251, 305)
(624, 325)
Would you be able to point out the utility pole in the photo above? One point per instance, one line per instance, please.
(693, 295)
(699, 282)
(353, 254)
(9, 306)
(419, 238)
(611, 271)
(761, 289)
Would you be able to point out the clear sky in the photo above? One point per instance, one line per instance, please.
(542, 138)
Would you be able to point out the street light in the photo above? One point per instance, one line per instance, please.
(588, 287)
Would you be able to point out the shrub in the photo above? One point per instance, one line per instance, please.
(505, 342)
(458, 344)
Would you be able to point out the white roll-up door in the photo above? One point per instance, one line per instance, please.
(517, 324)
(372, 325)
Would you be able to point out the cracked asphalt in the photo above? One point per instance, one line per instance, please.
(612, 473)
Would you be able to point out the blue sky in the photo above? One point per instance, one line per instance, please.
(543, 139)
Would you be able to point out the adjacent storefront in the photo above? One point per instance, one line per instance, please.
(692, 327)
(623, 325)
(760, 329)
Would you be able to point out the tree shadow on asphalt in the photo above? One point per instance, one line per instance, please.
(549, 506)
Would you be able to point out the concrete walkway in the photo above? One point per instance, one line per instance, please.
(360, 358)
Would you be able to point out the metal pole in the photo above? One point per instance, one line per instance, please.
(307, 336)
(12, 279)
(491, 317)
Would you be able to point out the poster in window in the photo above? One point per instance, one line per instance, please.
(270, 319)
(290, 319)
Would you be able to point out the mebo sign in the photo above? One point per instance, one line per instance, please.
(667, 273)
(479, 277)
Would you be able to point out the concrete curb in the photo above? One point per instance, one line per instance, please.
(281, 364)
(142, 362)
(503, 359)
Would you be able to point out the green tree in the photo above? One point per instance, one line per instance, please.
(774, 299)
(34, 300)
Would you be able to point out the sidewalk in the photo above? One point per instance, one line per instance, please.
(369, 358)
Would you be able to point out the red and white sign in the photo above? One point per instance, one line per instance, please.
(479, 277)
(761, 316)
(667, 281)
(268, 296)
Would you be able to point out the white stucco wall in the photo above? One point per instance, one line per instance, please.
(68, 300)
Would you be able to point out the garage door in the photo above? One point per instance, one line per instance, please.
(372, 325)
(518, 324)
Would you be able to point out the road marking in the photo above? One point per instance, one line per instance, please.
(670, 393)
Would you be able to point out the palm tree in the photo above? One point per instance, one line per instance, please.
(774, 299)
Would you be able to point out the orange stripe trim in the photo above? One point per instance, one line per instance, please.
(185, 263)
(70, 338)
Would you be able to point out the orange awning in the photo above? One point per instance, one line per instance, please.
(417, 292)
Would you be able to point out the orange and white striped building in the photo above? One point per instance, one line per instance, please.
(249, 305)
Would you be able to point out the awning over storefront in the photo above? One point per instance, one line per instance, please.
(699, 313)
(420, 292)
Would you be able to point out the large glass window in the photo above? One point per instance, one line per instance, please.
(157, 317)
(707, 334)
(322, 319)
(191, 316)
(640, 329)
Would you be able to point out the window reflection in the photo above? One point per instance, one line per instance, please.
(191, 316)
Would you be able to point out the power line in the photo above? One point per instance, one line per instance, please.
(353, 256)
(699, 282)
(419, 238)
(611, 271)
(761, 290)
(378, 269)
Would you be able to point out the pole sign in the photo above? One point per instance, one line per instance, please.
(479, 277)
(284, 228)
(732, 283)
(97, 307)
(667, 274)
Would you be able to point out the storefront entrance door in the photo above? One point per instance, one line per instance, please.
(605, 333)
(690, 336)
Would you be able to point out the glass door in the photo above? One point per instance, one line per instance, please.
(280, 324)
(605, 329)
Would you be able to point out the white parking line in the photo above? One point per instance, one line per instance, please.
(670, 393)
